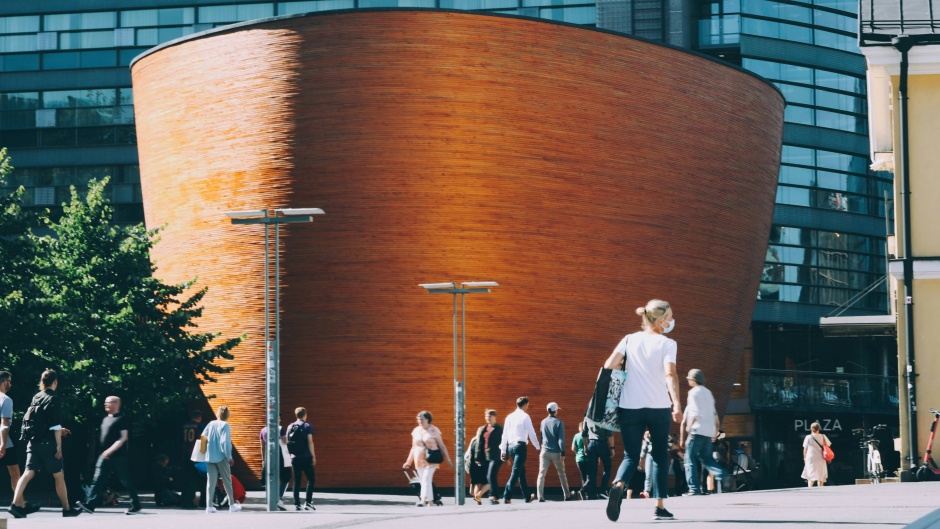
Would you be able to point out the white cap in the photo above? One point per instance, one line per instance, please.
(552, 406)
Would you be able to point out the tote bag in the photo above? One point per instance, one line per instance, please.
(602, 409)
(198, 455)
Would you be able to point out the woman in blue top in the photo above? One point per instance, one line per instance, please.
(219, 460)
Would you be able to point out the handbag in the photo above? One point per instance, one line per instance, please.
(434, 456)
(198, 456)
(828, 454)
(602, 409)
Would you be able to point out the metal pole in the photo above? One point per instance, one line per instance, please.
(457, 476)
(461, 397)
(903, 44)
(272, 453)
(277, 330)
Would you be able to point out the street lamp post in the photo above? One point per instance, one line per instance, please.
(460, 377)
(272, 351)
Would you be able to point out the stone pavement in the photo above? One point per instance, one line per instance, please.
(891, 505)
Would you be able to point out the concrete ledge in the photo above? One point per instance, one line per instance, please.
(885, 480)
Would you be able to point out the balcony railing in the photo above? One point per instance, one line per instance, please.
(822, 392)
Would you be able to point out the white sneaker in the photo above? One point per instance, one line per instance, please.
(235, 508)
(210, 509)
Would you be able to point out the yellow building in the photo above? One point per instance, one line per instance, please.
(903, 57)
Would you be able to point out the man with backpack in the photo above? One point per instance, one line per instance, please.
(303, 457)
(42, 429)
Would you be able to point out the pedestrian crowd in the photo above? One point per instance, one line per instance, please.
(207, 450)
(642, 380)
(637, 395)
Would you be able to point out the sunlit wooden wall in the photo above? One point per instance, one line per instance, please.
(584, 171)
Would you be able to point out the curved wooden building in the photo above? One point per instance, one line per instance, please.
(584, 171)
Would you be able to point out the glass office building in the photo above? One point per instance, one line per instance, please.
(827, 247)
(66, 114)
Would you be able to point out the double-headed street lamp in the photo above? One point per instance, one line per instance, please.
(460, 381)
(272, 352)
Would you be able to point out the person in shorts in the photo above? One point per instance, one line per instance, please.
(9, 453)
(44, 450)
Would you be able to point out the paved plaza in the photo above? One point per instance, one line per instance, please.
(891, 505)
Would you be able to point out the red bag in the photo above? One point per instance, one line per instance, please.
(237, 489)
(828, 454)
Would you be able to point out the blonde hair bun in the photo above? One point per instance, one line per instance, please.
(654, 310)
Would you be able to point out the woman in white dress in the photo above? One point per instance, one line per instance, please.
(815, 469)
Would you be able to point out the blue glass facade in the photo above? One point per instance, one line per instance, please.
(809, 51)
(827, 245)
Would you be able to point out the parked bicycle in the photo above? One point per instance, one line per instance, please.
(740, 468)
(874, 471)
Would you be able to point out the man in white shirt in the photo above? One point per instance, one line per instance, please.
(517, 432)
(701, 422)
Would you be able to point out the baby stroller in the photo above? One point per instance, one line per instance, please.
(412, 476)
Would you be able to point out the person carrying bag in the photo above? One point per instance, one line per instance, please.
(602, 409)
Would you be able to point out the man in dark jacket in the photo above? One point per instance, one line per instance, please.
(43, 429)
(489, 436)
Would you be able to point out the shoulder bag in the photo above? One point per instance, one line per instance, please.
(602, 409)
(828, 454)
(433, 456)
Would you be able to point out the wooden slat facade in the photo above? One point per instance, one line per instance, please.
(584, 171)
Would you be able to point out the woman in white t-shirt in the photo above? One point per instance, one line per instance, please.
(649, 401)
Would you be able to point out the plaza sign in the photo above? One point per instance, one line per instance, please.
(827, 425)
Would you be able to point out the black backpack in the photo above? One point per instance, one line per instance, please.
(296, 439)
(34, 421)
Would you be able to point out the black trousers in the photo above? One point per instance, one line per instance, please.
(303, 465)
(491, 471)
(103, 469)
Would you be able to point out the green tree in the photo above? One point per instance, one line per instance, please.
(109, 324)
(20, 322)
